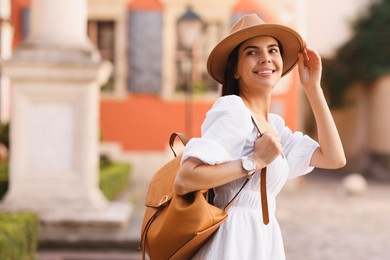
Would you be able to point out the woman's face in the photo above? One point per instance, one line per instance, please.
(259, 63)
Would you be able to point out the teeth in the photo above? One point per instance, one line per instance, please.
(265, 72)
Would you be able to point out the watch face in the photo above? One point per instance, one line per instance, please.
(248, 165)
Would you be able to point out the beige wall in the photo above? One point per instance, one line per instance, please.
(329, 23)
(363, 127)
(328, 26)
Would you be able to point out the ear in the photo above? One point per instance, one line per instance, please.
(236, 76)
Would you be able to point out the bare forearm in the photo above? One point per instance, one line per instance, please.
(331, 152)
(194, 175)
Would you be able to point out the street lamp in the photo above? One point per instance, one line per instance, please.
(189, 28)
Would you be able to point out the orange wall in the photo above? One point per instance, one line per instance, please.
(291, 100)
(251, 6)
(145, 5)
(16, 19)
(145, 122)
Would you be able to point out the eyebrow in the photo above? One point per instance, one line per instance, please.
(256, 47)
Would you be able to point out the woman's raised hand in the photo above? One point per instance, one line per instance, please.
(310, 68)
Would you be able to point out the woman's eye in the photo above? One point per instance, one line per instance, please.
(251, 53)
(274, 50)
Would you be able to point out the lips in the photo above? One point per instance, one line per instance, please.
(265, 72)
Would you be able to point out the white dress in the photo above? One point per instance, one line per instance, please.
(228, 134)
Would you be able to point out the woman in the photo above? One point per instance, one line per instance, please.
(249, 63)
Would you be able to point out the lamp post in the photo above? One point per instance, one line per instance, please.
(189, 28)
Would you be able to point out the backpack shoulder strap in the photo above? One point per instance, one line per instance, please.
(184, 139)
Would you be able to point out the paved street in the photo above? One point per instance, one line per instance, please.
(318, 222)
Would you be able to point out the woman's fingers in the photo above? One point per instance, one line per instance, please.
(267, 147)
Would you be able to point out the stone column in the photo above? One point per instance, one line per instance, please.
(67, 23)
(57, 32)
(6, 31)
(56, 74)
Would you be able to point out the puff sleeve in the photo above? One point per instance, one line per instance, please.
(224, 132)
(297, 148)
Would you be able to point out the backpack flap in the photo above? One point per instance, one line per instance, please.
(161, 185)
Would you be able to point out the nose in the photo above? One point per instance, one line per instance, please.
(264, 59)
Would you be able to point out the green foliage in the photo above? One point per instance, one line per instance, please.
(19, 232)
(18, 236)
(114, 179)
(4, 134)
(104, 161)
(365, 57)
(3, 178)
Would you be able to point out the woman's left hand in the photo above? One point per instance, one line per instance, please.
(310, 68)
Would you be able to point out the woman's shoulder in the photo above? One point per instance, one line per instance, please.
(229, 111)
(229, 99)
(230, 102)
(276, 119)
(277, 122)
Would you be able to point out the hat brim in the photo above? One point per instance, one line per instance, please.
(290, 40)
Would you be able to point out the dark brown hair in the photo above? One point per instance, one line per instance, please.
(230, 84)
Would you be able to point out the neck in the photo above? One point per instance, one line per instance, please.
(259, 105)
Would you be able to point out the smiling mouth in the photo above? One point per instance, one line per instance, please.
(265, 72)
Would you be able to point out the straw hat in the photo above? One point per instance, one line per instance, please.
(247, 27)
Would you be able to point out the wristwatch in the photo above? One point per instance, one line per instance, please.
(249, 165)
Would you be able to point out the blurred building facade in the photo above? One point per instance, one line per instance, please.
(145, 99)
(364, 123)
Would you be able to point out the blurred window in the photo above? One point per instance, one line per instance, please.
(102, 35)
(191, 64)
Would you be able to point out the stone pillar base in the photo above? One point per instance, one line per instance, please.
(87, 229)
(54, 165)
(48, 52)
